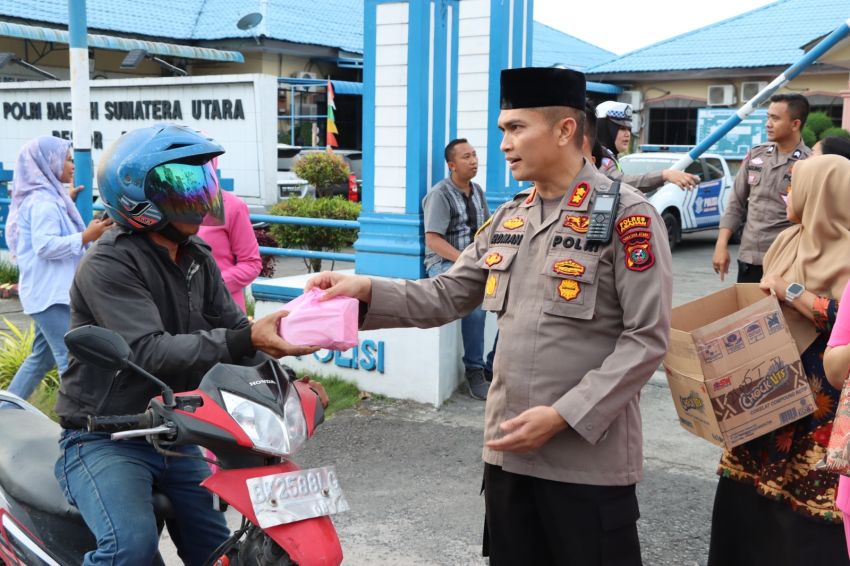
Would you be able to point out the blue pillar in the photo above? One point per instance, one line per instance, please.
(391, 242)
(411, 54)
(80, 109)
(511, 23)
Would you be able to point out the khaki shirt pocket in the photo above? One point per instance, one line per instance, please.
(498, 262)
(570, 284)
(754, 177)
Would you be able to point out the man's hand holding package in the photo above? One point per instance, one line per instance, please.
(333, 284)
(265, 338)
(529, 430)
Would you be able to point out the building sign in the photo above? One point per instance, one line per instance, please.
(238, 111)
(740, 139)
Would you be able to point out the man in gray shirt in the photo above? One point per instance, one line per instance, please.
(454, 209)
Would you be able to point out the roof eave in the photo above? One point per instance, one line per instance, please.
(715, 73)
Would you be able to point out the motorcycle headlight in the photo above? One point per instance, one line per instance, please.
(270, 433)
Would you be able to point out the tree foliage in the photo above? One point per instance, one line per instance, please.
(323, 170)
(818, 122)
(314, 237)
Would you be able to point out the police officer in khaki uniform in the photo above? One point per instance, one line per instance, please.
(760, 185)
(613, 127)
(583, 325)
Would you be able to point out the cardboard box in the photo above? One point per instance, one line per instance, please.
(734, 367)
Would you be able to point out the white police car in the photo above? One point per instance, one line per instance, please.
(684, 211)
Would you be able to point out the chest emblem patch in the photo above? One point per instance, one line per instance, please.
(490, 287)
(578, 224)
(569, 289)
(568, 267)
(513, 223)
(580, 193)
(493, 259)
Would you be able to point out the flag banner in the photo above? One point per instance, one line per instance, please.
(330, 140)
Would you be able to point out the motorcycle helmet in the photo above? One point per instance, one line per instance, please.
(160, 174)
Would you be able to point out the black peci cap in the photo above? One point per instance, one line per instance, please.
(535, 87)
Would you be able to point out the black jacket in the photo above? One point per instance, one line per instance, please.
(179, 321)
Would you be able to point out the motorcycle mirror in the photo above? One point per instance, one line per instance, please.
(98, 346)
(106, 349)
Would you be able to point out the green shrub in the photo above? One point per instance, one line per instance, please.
(839, 132)
(818, 122)
(323, 170)
(313, 237)
(15, 346)
(8, 272)
(809, 137)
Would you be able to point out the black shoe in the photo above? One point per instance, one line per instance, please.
(478, 385)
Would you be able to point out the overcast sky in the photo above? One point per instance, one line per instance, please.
(625, 25)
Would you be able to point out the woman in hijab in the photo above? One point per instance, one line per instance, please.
(773, 505)
(47, 235)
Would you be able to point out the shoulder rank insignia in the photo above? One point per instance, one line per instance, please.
(569, 289)
(493, 259)
(579, 193)
(578, 224)
(513, 223)
(568, 267)
(796, 155)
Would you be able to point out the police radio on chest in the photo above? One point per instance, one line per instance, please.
(603, 213)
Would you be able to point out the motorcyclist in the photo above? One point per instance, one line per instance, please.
(154, 282)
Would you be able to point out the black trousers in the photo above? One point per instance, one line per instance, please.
(749, 272)
(748, 529)
(536, 522)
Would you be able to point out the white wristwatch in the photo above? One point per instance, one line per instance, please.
(793, 292)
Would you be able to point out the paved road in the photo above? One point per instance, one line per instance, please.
(412, 473)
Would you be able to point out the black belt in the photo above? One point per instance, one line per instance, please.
(74, 423)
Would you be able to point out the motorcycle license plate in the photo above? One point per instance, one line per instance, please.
(294, 496)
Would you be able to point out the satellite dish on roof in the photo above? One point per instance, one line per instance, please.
(249, 21)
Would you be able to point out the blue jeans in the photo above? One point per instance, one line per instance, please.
(48, 349)
(471, 326)
(110, 482)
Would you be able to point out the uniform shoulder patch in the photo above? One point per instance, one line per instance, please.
(639, 256)
(633, 222)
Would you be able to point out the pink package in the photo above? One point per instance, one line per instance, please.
(330, 324)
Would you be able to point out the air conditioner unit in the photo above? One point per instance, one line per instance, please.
(751, 88)
(721, 95)
(304, 75)
(633, 98)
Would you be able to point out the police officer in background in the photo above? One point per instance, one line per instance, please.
(583, 325)
(613, 132)
(763, 179)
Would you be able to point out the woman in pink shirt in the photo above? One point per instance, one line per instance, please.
(234, 247)
(836, 364)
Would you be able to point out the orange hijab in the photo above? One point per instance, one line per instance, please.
(816, 252)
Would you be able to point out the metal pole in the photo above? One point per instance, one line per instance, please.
(80, 109)
(825, 45)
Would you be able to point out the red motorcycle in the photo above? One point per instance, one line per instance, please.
(252, 418)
